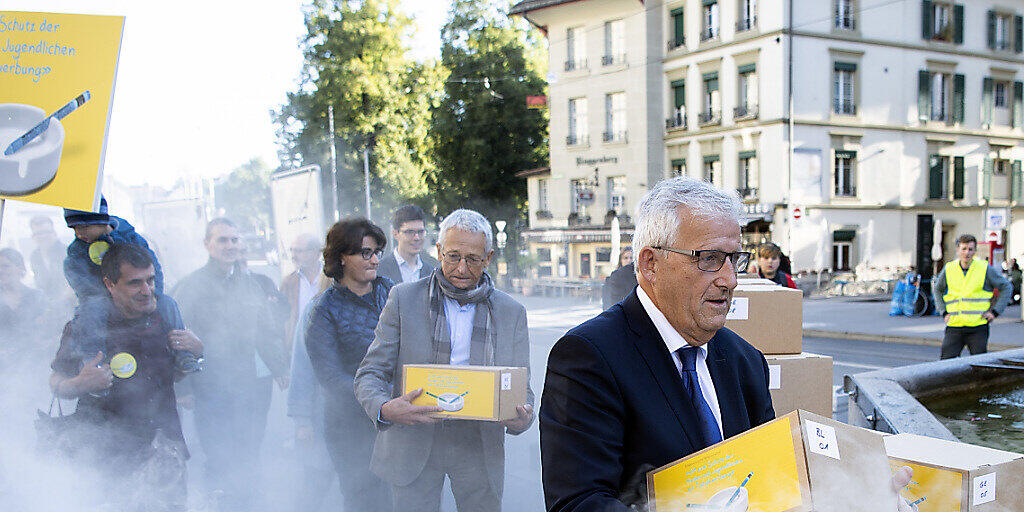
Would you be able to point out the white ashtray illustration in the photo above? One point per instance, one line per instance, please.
(35, 165)
(739, 504)
(451, 402)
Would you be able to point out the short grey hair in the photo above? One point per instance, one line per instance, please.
(308, 241)
(657, 214)
(467, 220)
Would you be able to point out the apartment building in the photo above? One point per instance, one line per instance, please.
(860, 134)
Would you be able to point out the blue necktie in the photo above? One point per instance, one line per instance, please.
(691, 384)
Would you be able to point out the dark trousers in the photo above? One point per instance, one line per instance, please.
(975, 338)
(457, 452)
(230, 422)
(350, 445)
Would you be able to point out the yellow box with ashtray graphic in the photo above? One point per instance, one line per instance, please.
(489, 393)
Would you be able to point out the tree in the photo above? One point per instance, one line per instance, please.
(483, 132)
(244, 195)
(355, 60)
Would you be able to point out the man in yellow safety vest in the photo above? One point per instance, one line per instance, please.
(963, 294)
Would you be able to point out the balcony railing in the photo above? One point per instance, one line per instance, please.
(709, 117)
(746, 23)
(744, 112)
(577, 140)
(675, 43)
(844, 107)
(676, 120)
(846, 22)
(707, 33)
(614, 136)
(613, 60)
(575, 64)
(747, 194)
(578, 219)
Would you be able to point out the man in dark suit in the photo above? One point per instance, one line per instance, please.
(409, 262)
(657, 376)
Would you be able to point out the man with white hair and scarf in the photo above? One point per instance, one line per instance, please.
(454, 316)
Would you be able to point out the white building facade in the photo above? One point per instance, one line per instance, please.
(861, 136)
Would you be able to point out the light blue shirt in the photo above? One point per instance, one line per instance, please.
(409, 272)
(460, 328)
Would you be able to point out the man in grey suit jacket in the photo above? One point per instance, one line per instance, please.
(454, 317)
(408, 262)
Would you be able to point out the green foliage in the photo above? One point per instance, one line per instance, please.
(244, 195)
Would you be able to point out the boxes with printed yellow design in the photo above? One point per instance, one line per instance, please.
(489, 393)
(797, 463)
(958, 477)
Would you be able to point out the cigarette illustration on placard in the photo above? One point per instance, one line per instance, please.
(32, 144)
(450, 402)
(730, 499)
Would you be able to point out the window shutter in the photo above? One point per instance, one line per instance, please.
(924, 94)
(987, 101)
(1018, 105)
(747, 154)
(845, 66)
(679, 95)
(1018, 28)
(934, 177)
(746, 68)
(844, 235)
(991, 38)
(926, 19)
(958, 98)
(678, 27)
(1017, 192)
(712, 85)
(958, 177)
(987, 186)
(958, 19)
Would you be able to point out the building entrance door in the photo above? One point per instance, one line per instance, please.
(585, 265)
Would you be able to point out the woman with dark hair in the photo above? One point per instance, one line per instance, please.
(23, 310)
(339, 329)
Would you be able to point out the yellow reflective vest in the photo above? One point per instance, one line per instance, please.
(966, 299)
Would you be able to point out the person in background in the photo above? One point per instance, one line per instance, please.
(1015, 275)
(621, 281)
(23, 312)
(408, 262)
(306, 282)
(769, 257)
(47, 261)
(240, 316)
(963, 294)
(338, 332)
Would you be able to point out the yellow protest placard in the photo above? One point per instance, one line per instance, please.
(941, 489)
(56, 85)
(459, 392)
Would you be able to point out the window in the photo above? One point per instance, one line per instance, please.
(1000, 167)
(940, 96)
(581, 193)
(1000, 30)
(942, 170)
(678, 29)
(844, 174)
(575, 49)
(603, 254)
(843, 79)
(747, 15)
(942, 20)
(748, 178)
(577, 122)
(712, 113)
(544, 254)
(677, 117)
(617, 194)
(709, 27)
(746, 89)
(542, 195)
(842, 249)
(844, 15)
(713, 170)
(999, 94)
(615, 117)
(678, 167)
(614, 43)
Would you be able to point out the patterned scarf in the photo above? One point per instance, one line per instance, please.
(482, 341)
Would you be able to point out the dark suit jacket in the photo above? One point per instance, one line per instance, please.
(617, 285)
(614, 407)
(389, 267)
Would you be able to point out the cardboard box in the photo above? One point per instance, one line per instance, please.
(747, 279)
(959, 477)
(769, 317)
(800, 381)
(799, 462)
(489, 393)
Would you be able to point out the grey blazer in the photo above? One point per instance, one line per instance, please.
(403, 337)
(388, 266)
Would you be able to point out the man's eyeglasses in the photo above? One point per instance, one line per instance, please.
(713, 261)
(368, 253)
(455, 258)
(413, 232)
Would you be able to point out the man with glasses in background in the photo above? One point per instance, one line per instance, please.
(457, 317)
(408, 262)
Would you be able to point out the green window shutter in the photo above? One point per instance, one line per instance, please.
(746, 68)
(987, 100)
(845, 66)
(678, 27)
(926, 19)
(991, 37)
(1018, 28)
(712, 85)
(958, 20)
(844, 235)
(710, 76)
(709, 2)
(958, 98)
(747, 154)
(710, 159)
(958, 177)
(678, 95)
(924, 94)
(1018, 105)
(1017, 192)
(935, 177)
(679, 161)
(987, 185)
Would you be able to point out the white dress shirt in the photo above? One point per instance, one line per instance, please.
(460, 328)
(673, 342)
(307, 289)
(409, 272)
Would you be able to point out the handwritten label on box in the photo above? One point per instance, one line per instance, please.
(506, 381)
(821, 439)
(984, 489)
(740, 309)
(774, 376)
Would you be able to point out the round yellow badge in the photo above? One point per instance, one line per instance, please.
(97, 250)
(123, 365)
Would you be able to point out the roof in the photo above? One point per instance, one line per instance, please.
(529, 173)
(532, 5)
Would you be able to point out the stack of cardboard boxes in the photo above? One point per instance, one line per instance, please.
(770, 317)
